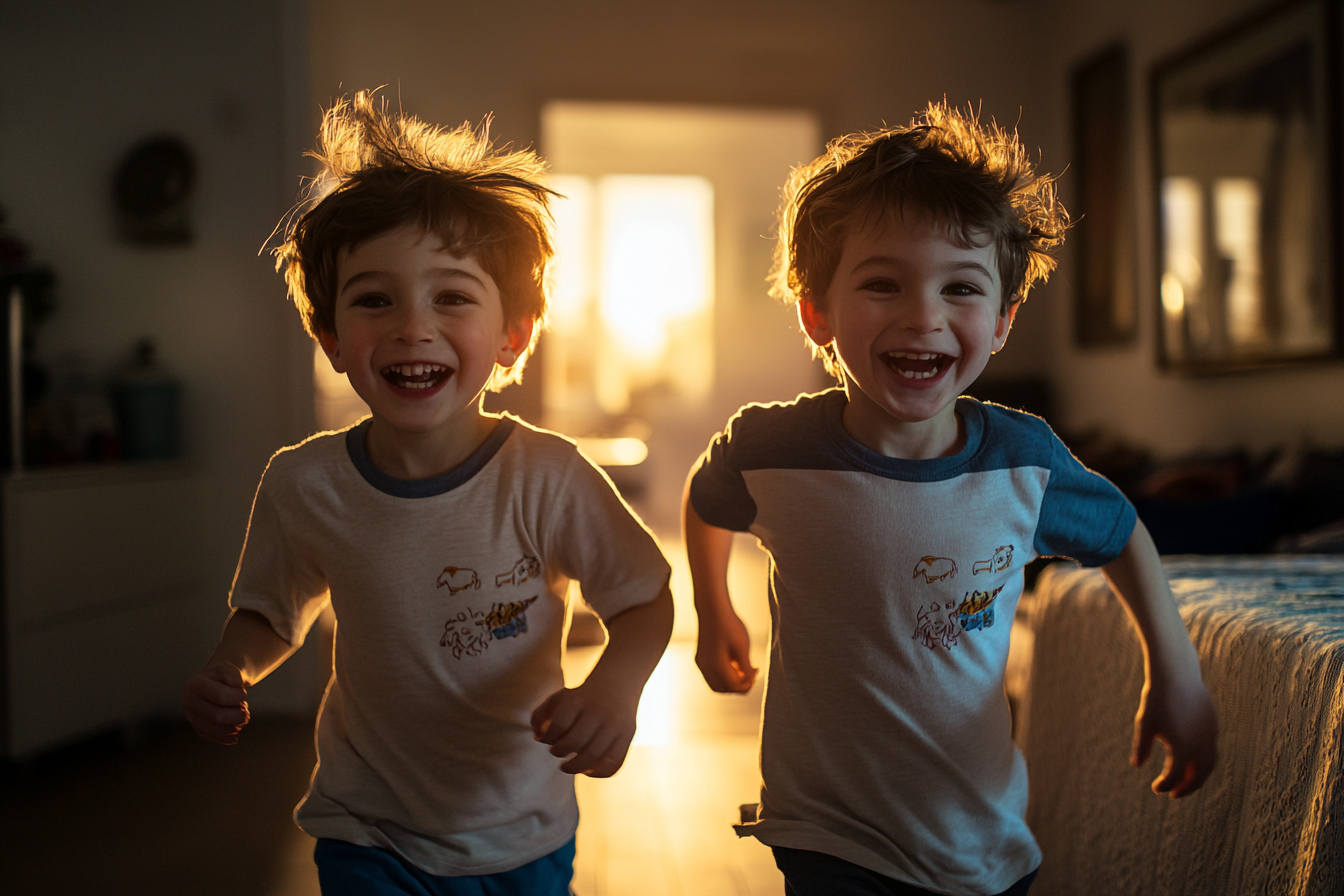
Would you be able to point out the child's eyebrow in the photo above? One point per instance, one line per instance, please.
(884, 261)
(446, 272)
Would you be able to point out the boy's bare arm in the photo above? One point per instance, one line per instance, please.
(723, 646)
(215, 698)
(595, 722)
(1175, 707)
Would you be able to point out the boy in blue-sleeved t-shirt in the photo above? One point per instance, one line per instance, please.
(899, 515)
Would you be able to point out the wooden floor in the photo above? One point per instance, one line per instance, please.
(165, 813)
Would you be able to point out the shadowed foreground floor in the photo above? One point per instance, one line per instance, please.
(168, 814)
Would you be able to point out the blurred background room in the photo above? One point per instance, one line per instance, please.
(1189, 346)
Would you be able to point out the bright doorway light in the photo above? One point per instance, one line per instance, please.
(633, 292)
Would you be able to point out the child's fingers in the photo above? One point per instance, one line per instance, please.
(577, 737)
(611, 759)
(1187, 773)
(724, 674)
(591, 757)
(210, 713)
(219, 693)
(541, 716)
(1143, 740)
(553, 719)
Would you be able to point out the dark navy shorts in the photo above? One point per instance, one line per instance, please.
(808, 873)
(345, 869)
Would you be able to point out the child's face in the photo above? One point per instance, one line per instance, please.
(418, 330)
(914, 318)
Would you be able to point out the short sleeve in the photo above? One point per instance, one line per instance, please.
(718, 490)
(594, 537)
(1083, 515)
(272, 578)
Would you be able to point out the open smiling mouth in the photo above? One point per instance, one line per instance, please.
(916, 365)
(416, 376)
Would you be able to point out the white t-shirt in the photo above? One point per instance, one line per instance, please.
(449, 601)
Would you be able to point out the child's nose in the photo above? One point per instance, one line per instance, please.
(921, 313)
(414, 324)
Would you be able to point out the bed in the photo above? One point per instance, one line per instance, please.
(1270, 635)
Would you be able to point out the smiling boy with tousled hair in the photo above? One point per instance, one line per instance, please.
(899, 514)
(444, 537)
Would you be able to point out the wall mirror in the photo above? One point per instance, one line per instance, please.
(1246, 174)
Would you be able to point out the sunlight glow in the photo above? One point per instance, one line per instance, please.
(657, 256)
(633, 290)
(622, 452)
(573, 238)
(655, 724)
(1173, 294)
(1236, 203)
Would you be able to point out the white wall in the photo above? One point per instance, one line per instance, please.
(1122, 389)
(82, 82)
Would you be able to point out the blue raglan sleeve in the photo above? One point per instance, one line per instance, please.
(1083, 515)
(718, 490)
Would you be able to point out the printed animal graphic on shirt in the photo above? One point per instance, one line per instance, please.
(935, 626)
(470, 632)
(977, 609)
(1002, 559)
(526, 569)
(935, 568)
(464, 636)
(458, 578)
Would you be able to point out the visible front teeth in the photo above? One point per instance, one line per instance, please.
(416, 376)
(416, 369)
(894, 359)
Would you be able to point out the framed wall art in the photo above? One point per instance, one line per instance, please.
(1247, 176)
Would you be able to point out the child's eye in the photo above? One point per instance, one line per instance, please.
(963, 289)
(453, 298)
(880, 285)
(372, 300)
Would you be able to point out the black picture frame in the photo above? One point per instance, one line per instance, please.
(1105, 231)
(1246, 171)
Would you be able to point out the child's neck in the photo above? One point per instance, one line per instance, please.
(424, 455)
(942, 435)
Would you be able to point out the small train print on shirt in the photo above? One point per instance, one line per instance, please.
(470, 632)
(942, 623)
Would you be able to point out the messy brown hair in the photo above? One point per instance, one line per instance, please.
(974, 180)
(383, 171)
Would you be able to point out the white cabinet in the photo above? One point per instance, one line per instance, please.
(104, 595)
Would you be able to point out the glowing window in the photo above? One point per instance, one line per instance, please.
(1236, 204)
(633, 291)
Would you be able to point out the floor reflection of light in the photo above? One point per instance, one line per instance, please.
(656, 722)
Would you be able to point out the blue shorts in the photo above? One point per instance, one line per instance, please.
(345, 869)
(808, 873)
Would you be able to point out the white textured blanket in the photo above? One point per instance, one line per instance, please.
(1270, 635)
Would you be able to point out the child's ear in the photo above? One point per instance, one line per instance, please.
(332, 348)
(517, 337)
(814, 322)
(1005, 324)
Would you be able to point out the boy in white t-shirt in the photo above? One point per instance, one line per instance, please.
(443, 536)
